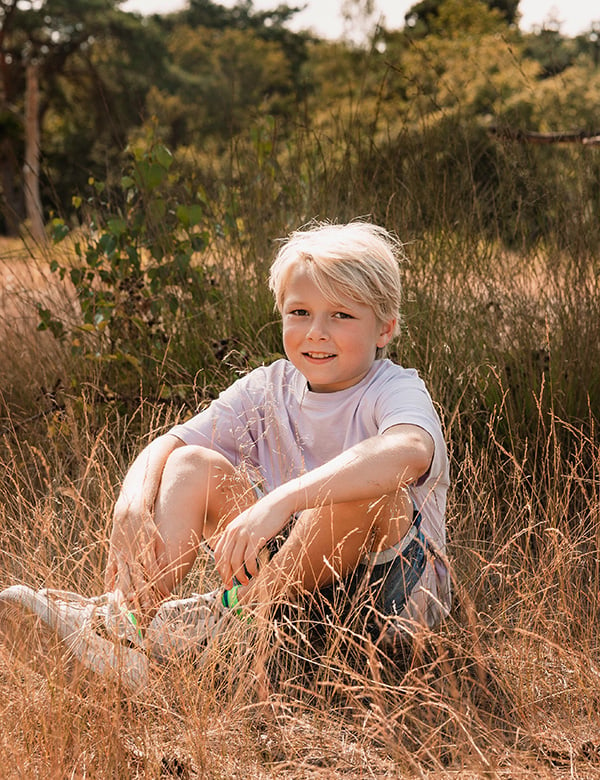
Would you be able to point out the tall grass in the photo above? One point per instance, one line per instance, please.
(508, 340)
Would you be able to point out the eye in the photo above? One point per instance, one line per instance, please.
(343, 315)
(298, 312)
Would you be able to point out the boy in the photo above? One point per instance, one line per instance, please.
(324, 472)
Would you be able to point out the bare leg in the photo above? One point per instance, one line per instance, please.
(200, 492)
(328, 543)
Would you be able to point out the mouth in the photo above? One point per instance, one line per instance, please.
(319, 355)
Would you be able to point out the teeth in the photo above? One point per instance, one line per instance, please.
(319, 355)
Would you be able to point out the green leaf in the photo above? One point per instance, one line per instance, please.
(157, 252)
(164, 157)
(117, 226)
(77, 275)
(107, 244)
(134, 257)
(199, 241)
(59, 230)
(156, 210)
(137, 152)
(182, 263)
(47, 322)
(151, 174)
(189, 215)
(173, 303)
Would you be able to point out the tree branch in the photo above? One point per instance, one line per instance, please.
(531, 137)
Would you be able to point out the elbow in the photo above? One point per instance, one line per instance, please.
(415, 448)
(424, 452)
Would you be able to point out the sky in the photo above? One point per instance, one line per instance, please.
(324, 18)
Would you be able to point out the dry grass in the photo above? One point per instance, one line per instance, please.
(506, 688)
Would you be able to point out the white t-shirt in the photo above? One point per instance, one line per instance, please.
(270, 423)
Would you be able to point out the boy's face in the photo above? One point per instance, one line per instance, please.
(332, 344)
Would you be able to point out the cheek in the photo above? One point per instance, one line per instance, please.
(289, 336)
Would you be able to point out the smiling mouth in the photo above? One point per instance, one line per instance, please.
(319, 355)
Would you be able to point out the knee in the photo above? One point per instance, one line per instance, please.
(196, 463)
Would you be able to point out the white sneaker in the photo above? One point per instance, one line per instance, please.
(184, 627)
(110, 613)
(40, 622)
(119, 620)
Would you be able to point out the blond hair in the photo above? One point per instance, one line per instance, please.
(357, 260)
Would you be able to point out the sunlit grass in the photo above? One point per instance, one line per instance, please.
(506, 687)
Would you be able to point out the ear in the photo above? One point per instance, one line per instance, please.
(386, 331)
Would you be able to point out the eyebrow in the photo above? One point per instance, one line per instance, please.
(293, 302)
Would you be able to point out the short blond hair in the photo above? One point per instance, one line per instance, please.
(357, 260)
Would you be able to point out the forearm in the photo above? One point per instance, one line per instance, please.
(378, 466)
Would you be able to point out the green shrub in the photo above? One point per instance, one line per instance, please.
(138, 265)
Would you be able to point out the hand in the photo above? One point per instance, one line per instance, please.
(238, 548)
(132, 559)
(132, 564)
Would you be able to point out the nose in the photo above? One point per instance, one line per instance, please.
(317, 330)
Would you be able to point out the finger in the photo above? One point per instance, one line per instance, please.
(149, 562)
(110, 574)
(251, 564)
(122, 578)
(226, 574)
(238, 562)
(220, 545)
(224, 550)
(136, 578)
(252, 554)
(141, 594)
(223, 564)
(139, 568)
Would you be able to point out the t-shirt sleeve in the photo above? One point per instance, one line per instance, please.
(405, 400)
(228, 425)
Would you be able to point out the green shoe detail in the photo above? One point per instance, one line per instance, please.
(133, 620)
(230, 599)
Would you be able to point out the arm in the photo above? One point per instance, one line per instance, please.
(375, 467)
(132, 557)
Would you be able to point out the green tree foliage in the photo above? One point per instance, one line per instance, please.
(588, 44)
(416, 117)
(553, 51)
(141, 266)
(225, 77)
(267, 25)
(247, 107)
(95, 64)
(423, 17)
(467, 64)
(242, 16)
(102, 70)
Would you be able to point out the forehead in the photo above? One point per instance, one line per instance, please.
(302, 283)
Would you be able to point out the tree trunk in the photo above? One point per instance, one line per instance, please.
(31, 168)
(11, 200)
(11, 192)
